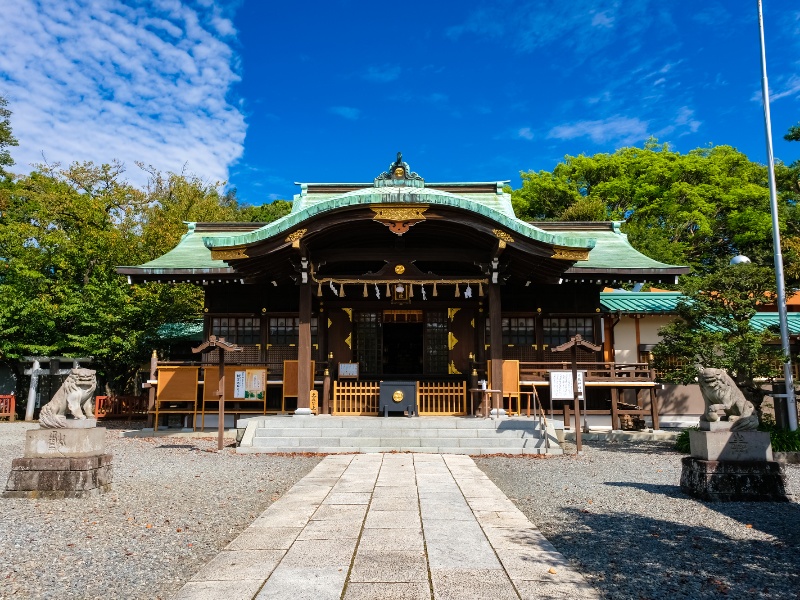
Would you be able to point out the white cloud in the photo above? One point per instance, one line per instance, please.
(525, 133)
(623, 130)
(101, 79)
(346, 112)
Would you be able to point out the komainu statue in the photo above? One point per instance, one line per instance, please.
(720, 392)
(76, 394)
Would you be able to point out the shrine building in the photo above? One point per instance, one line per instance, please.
(436, 284)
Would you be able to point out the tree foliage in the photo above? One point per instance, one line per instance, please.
(6, 137)
(694, 209)
(62, 234)
(713, 328)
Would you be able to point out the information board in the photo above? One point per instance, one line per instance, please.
(561, 385)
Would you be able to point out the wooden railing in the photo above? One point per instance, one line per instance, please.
(595, 371)
(433, 397)
(8, 406)
(356, 397)
(115, 407)
(442, 398)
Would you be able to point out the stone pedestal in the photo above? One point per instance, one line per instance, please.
(734, 481)
(728, 466)
(66, 462)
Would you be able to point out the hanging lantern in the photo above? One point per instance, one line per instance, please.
(480, 289)
(319, 288)
(435, 291)
(366, 293)
(458, 292)
(341, 290)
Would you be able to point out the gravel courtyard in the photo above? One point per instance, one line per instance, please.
(615, 512)
(618, 514)
(174, 504)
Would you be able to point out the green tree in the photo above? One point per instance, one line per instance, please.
(266, 213)
(713, 329)
(793, 135)
(6, 137)
(62, 233)
(696, 208)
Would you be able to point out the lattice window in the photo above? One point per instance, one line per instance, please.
(436, 351)
(285, 331)
(558, 330)
(243, 331)
(519, 331)
(367, 330)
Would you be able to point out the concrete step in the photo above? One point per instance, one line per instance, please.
(463, 435)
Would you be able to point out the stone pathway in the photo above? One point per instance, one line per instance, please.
(390, 526)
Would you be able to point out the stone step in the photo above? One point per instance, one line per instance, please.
(379, 432)
(462, 435)
(474, 451)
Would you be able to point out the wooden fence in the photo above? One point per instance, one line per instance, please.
(116, 407)
(8, 406)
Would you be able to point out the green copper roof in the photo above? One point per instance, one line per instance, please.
(640, 302)
(190, 254)
(498, 210)
(762, 321)
(612, 250)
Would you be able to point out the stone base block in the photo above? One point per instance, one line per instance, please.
(730, 445)
(68, 477)
(734, 481)
(61, 443)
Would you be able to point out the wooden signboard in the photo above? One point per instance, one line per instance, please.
(561, 385)
(348, 370)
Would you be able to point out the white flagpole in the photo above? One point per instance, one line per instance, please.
(776, 236)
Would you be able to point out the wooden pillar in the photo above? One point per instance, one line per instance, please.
(304, 375)
(151, 392)
(654, 403)
(495, 337)
(614, 409)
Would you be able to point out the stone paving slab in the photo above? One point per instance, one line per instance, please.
(390, 527)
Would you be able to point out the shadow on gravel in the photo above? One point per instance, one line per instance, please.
(631, 447)
(640, 557)
(185, 446)
(673, 491)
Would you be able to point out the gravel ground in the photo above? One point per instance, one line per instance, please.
(617, 513)
(174, 504)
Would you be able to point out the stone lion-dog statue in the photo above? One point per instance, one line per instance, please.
(76, 394)
(721, 392)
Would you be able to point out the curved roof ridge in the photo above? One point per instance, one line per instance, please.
(397, 195)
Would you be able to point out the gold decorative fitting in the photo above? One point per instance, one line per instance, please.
(451, 313)
(451, 340)
(399, 218)
(397, 396)
(295, 236)
(399, 269)
(229, 254)
(451, 369)
(561, 253)
(349, 340)
(503, 236)
(349, 312)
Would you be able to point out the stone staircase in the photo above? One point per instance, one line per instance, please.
(440, 435)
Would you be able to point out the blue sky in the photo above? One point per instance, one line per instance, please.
(263, 94)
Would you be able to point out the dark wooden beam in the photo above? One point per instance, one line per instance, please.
(304, 374)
